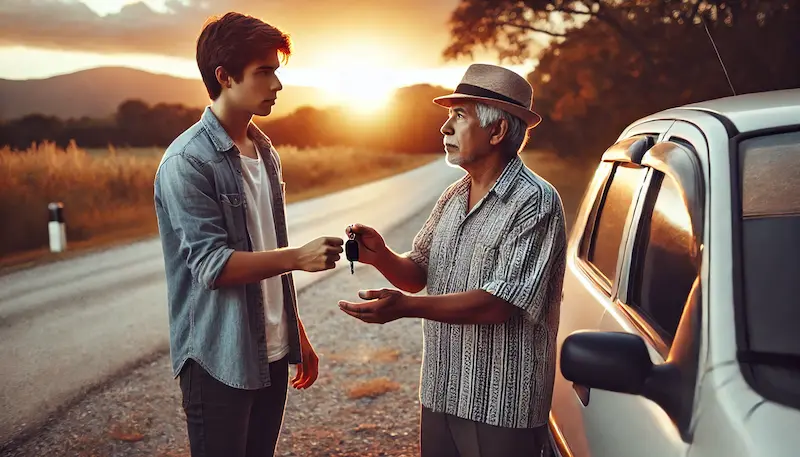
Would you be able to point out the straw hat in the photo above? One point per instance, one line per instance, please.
(496, 86)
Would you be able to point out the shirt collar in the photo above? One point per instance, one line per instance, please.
(502, 187)
(223, 142)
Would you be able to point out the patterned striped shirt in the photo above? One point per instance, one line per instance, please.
(511, 244)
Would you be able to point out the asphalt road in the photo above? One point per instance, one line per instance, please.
(69, 326)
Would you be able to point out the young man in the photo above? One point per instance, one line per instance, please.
(492, 255)
(219, 199)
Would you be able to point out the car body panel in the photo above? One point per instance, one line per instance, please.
(730, 418)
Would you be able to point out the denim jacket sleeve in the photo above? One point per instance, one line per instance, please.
(189, 201)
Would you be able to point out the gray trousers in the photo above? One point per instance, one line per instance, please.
(445, 435)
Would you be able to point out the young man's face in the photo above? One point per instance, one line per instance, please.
(465, 141)
(258, 89)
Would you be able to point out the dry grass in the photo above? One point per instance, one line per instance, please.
(101, 194)
(108, 195)
(373, 388)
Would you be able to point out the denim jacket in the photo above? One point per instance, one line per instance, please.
(201, 210)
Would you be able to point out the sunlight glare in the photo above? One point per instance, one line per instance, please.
(361, 76)
(363, 90)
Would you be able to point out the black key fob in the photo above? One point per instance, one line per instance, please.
(351, 251)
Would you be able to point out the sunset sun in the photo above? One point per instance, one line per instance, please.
(360, 77)
(364, 93)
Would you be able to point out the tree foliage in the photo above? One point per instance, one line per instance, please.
(632, 58)
(510, 26)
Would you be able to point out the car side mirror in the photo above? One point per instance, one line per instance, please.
(613, 361)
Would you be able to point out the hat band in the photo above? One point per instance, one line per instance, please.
(469, 89)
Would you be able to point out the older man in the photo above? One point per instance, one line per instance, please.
(492, 255)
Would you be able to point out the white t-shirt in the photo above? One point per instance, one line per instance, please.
(261, 226)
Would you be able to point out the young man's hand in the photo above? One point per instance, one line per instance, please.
(386, 305)
(308, 370)
(320, 254)
(371, 244)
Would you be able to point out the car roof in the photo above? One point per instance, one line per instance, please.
(749, 112)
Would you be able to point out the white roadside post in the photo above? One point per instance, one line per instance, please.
(57, 228)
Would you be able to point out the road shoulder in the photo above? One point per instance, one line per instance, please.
(365, 401)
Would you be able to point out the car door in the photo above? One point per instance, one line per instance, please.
(659, 293)
(593, 257)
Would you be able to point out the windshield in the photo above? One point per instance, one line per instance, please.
(769, 171)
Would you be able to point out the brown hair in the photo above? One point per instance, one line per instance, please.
(232, 42)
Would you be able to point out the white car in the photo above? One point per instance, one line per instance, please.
(680, 322)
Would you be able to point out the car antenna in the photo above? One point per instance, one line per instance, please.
(703, 18)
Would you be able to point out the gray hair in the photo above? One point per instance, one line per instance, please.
(517, 134)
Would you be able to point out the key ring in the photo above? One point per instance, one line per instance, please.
(352, 235)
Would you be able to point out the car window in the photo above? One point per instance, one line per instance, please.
(663, 266)
(769, 178)
(607, 235)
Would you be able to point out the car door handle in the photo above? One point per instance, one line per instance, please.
(582, 392)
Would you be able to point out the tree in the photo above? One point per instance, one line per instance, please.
(165, 121)
(414, 123)
(132, 119)
(142, 125)
(610, 62)
(21, 133)
(510, 26)
(588, 88)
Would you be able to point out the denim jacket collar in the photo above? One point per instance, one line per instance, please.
(222, 141)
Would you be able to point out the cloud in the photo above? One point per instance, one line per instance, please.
(54, 24)
(413, 29)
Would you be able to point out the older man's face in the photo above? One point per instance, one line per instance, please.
(465, 141)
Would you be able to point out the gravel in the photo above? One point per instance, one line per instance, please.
(364, 403)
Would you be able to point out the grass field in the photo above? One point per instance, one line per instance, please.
(108, 194)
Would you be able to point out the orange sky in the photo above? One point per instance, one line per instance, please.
(366, 46)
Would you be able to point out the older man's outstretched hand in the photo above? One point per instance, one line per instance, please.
(384, 305)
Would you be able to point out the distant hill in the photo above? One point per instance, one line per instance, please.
(97, 93)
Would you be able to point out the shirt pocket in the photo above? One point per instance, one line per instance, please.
(482, 264)
(233, 213)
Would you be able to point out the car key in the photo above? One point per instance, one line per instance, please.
(351, 251)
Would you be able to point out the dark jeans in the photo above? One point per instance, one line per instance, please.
(226, 422)
(445, 435)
